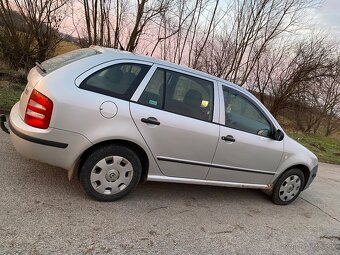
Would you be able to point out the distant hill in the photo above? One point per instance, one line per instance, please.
(20, 25)
(18, 20)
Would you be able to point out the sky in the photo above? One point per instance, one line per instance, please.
(325, 19)
(328, 17)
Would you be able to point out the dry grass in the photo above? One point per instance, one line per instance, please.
(65, 46)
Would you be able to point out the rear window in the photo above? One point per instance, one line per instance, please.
(57, 62)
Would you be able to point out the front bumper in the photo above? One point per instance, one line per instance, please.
(312, 176)
(53, 146)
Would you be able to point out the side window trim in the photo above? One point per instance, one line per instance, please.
(221, 105)
(96, 68)
(250, 100)
(216, 94)
(108, 92)
(216, 108)
(143, 84)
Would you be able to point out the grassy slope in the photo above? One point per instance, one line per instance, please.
(9, 95)
(327, 149)
(13, 83)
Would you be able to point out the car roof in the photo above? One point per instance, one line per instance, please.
(126, 54)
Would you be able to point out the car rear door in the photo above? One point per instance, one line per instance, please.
(246, 153)
(175, 114)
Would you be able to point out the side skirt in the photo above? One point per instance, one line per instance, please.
(158, 178)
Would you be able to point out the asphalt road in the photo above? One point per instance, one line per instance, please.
(41, 212)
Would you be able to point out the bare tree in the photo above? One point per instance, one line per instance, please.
(108, 22)
(300, 79)
(146, 12)
(310, 60)
(251, 27)
(97, 15)
(266, 70)
(329, 99)
(37, 36)
(333, 121)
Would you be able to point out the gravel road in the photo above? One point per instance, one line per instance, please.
(41, 212)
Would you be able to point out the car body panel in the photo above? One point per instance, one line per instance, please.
(193, 140)
(60, 157)
(295, 154)
(244, 154)
(238, 161)
(177, 137)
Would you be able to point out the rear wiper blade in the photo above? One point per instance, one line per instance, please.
(38, 64)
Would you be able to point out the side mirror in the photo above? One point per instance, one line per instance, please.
(279, 135)
(264, 132)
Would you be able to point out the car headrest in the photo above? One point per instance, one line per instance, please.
(193, 98)
(114, 75)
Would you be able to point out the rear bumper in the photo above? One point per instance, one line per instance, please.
(3, 122)
(37, 140)
(52, 146)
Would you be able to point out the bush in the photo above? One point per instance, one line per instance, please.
(27, 38)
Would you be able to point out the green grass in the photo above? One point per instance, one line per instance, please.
(9, 95)
(12, 83)
(327, 149)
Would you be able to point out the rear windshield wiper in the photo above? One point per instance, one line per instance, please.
(38, 64)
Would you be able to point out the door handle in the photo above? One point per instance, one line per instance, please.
(228, 138)
(151, 120)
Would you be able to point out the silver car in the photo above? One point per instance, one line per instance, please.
(116, 119)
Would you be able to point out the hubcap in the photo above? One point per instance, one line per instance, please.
(111, 175)
(290, 188)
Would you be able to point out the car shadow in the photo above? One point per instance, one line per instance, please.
(159, 190)
(55, 180)
(39, 178)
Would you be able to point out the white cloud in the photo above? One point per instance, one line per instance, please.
(327, 17)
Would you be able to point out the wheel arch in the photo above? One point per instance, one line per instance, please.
(305, 170)
(131, 145)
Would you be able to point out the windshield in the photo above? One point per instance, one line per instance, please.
(55, 63)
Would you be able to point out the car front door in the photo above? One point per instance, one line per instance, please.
(175, 115)
(246, 153)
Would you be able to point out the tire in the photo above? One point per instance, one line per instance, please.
(288, 187)
(110, 172)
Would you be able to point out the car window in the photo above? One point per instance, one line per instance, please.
(120, 80)
(179, 93)
(243, 115)
(153, 93)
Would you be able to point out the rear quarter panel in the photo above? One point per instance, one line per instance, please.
(78, 110)
(32, 79)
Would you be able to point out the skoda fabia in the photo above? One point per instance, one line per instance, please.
(116, 119)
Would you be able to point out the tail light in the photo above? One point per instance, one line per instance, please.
(39, 110)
